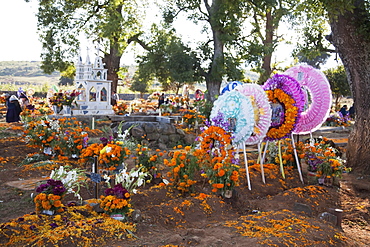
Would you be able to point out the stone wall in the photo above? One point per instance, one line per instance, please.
(156, 134)
(131, 96)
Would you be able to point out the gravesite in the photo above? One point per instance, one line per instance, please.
(217, 144)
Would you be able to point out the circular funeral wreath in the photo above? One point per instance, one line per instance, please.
(214, 142)
(287, 102)
(318, 97)
(234, 110)
(262, 111)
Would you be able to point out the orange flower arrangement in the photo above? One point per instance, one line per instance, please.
(290, 114)
(216, 158)
(48, 202)
(183, 166)
(51, 194)
(64, 137)
(144, 157)
(112, 203)
(110, 155)
(215, 144)
(192, 116)
(120, 108)
(116, 200)
(322, 158)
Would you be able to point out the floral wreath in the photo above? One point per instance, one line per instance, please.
(318, 97)
(262, 111)
(287, 102)
(236, 109)
(215, 145)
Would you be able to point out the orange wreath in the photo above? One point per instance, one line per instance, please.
(290, 114)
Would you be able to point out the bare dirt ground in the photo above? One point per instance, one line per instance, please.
(278, 213)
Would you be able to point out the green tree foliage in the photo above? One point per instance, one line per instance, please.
(65, 81)
(262, 40)
(311, 26)
(222, 22)
(109, 23)
(338, 83)
(167, 60)
(138, 84)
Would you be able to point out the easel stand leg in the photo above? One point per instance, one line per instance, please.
(246, 167)
(297, 160)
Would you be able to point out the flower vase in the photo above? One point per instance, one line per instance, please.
(48, 151)
(228, 193)
(48, 212)
(312, 178)
(118, 216)
(56, 109)
(67, 110)
(321, 180)
(328, 182)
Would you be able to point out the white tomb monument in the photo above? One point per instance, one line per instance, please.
(91, 81)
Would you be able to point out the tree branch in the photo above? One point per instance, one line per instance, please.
(136, 39)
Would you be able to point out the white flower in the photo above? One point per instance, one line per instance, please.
(71, 179)
(106, 178)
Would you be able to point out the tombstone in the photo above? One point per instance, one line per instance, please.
(91, 81)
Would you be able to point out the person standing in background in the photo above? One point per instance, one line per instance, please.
(160, 100)
(24, 101)
(351, 112)
(115, 98)
(344, 110)
(13, 110)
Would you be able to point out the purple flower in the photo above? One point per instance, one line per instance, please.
(120, 192)
(71, 204)
(53, 225)
(84, 143)
(53, 182)
(220, 121)
(59, 190)
(52, 186)
(109, 192)
(42, 188)
(104, 140)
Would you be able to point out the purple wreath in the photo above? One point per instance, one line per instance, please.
(291, 87)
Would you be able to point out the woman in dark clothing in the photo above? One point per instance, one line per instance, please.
(13, 110)
(161, 100)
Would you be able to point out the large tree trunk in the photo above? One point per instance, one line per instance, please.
(354, 50)
(214, 77)
(268, 43)
(112, 63)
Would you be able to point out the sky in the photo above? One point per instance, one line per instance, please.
(18, 26)
(19, 39)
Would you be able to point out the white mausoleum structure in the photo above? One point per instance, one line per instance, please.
(91, 81)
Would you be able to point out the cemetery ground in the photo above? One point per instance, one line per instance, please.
(282, 212)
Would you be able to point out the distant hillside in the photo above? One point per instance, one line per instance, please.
(25, 73)
(23, 69)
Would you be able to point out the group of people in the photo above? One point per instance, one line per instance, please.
(344, 111)
(199, 95)
(15, 105)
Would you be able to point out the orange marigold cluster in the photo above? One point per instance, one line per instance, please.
(48, 202)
